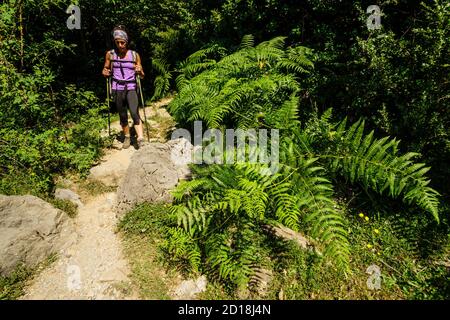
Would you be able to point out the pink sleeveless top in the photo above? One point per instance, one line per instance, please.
(123, 70)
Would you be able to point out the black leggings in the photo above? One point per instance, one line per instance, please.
(123, 98)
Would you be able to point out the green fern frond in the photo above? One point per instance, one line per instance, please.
(375, 164)
(255, 199)
(193, 69)
(276, 43)
(287, 209)
(297, 60)
(248, 41)
(286, 116)
(232, 257)
(202, 54)
(162, 86)
(181, 81)
(162, 80)
(181, 247)
(315, 202)
(185, 188)
(160, 66)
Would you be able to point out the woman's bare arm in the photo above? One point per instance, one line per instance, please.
(139, 68)
(107, 66)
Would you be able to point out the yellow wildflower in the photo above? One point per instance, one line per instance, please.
(366, 218)
(361, 215)
(376, 231)
(369, 246)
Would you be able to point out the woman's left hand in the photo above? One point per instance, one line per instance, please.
(138, 69)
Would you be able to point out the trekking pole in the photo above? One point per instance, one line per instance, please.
(109, 105)
(138, 80)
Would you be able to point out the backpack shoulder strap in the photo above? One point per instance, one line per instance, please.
(111, 58)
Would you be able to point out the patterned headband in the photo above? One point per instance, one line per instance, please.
(120, 34)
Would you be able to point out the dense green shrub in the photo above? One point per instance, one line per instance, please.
(396, 78)
(47, 128)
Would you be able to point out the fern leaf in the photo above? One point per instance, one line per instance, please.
(247, 41)
(375, 164)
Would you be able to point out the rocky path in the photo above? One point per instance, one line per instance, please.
(93, 266)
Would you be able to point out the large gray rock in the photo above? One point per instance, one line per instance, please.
(155, 169)
(31, 230)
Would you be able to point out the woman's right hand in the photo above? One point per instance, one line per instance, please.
(106, 72)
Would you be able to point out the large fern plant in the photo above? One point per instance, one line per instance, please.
(243, 87)
(220, 215)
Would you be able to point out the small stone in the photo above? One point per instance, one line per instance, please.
(188, 289)
(281, 295)
(69, 253)
(67, 194)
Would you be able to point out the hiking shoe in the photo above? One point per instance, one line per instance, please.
(126, 143)
(140, 143)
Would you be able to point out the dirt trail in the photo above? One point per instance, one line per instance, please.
(94, 266)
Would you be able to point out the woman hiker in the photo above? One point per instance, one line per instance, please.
(123, 65)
